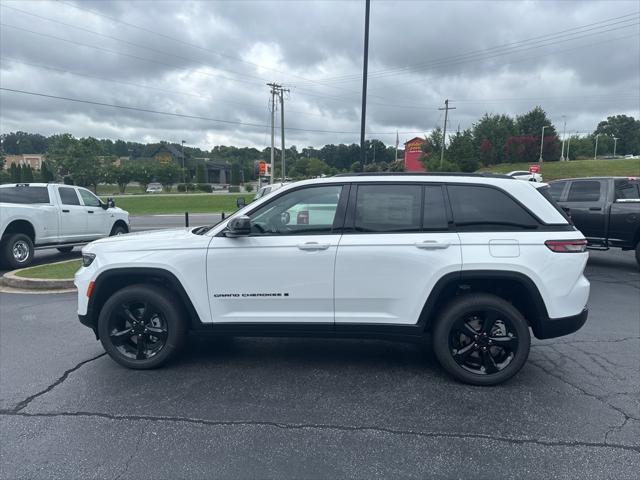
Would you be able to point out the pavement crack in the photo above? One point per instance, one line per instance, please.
(324, 426)
(24, 403)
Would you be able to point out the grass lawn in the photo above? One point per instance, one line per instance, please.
(55, 271)
(576, 168)
(159, 204)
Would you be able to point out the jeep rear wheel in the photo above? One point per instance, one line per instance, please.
(142, 326)
(481, 339)
(17, 250)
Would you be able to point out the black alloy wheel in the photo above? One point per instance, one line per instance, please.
(142, 326)
(481, 339)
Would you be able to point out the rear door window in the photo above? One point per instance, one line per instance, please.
(435, 212)
(584, 191)
(68, 196)
(24, 195)
(627, 190)
(483, 208)
(556, 189)
(388, 208)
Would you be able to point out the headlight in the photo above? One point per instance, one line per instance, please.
(87, 259)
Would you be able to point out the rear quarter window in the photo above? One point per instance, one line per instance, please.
(24, 195)
(478, 207)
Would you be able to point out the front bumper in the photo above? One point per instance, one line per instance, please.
(557, 327)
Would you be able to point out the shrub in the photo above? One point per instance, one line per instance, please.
(248, 187)
(234, 189)
(204, 187)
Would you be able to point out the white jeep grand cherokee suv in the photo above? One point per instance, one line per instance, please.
(473, 261)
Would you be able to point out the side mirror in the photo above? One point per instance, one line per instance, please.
(111, 203)
(239, 227)
(240, 202)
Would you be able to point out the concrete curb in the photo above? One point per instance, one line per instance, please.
(10, 279)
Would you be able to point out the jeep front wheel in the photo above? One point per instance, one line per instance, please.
(481, 339)
(17, 250)
(142, 326)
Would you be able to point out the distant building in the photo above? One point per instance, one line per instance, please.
(412, 155)
(166, 153)
(217, 172)
(33, 159)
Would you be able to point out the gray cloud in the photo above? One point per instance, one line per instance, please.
(212, 59)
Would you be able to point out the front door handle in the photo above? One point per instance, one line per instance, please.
(595, 209)
(89, 211)
(65, 211)
(432, 245)
(310, 246)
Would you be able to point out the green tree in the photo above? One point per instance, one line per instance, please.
(461, 152)
(235, 174)
(144, 172)
(490, 136)
(14, 173)
(167, 175)
(316, 167)
(81, 159)
(27, 174)
(121, 175)
(201, 173)
(626, 129)
(46, 175)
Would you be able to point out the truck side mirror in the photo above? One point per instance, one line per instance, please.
(240, 202)
(239, 227)
(111, 203)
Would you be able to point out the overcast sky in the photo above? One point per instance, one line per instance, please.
(212, 59)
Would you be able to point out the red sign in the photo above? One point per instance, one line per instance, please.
(534, 168)
(262, 167)
(413, 154)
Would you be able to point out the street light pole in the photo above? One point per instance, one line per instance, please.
(564, 135)
(615, 144)
(365, 65)
(542, 143)
(569, 145)
(184, 177)
(595, 152)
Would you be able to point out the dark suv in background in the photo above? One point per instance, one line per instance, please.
(605, 209)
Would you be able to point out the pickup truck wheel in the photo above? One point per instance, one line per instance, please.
(142, 326)
(118, 230)
(481, 339)
(64, 249)
(17, 250)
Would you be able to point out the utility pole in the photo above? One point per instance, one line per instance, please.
(282, 90)
(595, 152)
(184, 181)
(397, 143)
(274, 92)
(542, 143)
(444, 134)
(564, 131)
(364, 82)
(615, 144)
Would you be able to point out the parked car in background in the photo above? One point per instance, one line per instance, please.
(605, 209)
(154, 188)
(39, 215)
(524, 175)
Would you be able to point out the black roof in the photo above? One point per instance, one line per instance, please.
(422, 174)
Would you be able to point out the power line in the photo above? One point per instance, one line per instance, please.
(183, 115)
(540, 38)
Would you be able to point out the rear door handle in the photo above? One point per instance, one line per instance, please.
(89, 211)
(65, 211)
(310, 246)
(432, 245)
(595, 209)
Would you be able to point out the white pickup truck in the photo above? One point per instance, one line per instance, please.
(41, 215)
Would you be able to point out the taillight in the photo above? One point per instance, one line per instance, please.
(567, 246)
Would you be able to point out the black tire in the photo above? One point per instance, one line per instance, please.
(17, 250)
(118, 229)
(136, 312)
(468, 352)
(64, 249)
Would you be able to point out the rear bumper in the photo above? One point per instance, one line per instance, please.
(557, 327)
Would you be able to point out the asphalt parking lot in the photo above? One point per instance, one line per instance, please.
(299, 408)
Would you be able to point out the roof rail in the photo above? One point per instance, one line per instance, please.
(422, 174)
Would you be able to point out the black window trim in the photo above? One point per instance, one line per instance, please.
(338, 220)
